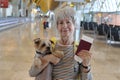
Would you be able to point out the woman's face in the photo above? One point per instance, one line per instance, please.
(66, 27)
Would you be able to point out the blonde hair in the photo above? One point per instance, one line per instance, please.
(66, 12)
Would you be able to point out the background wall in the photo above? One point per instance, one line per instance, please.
(109, 18)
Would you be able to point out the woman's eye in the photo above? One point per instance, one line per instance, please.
(68, 22)
(61, 23)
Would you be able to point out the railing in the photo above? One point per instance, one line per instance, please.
(7, 23)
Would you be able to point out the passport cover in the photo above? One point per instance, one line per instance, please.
(84, 44)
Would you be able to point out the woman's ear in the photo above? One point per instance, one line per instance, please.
(75, 27)
(73, 22)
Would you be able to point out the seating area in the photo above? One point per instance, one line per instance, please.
(111, 32)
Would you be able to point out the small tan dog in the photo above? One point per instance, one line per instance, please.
(44, 47)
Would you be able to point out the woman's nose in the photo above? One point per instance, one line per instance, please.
(65, 25)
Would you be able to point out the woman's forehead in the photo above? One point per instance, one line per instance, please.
(64, 19)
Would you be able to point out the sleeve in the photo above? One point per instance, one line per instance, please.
(34, 71)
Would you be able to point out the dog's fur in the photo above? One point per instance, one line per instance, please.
(44, 47)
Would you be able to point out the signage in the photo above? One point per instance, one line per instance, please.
(4, 3)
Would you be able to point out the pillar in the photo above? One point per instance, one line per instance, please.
(15, 10)
(4, 12)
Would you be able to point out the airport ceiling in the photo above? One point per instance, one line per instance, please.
(46, 5)
(87, 5)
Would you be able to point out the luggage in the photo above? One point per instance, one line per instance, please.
(46, 24)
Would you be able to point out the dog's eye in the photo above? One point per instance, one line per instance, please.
(43, 45)
(37, 42)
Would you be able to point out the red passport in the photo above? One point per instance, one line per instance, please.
(84, 44)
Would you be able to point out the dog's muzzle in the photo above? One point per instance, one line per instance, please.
(47, 52)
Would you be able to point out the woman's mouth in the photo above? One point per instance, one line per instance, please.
(65, 30)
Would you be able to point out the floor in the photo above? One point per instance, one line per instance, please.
(17, 52)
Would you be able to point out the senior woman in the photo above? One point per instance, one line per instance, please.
(68, 68)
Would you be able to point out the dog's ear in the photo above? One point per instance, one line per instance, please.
(37, 40)
(52, 42)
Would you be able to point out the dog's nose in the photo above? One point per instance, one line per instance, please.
(48, 48)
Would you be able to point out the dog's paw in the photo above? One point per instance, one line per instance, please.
(37, 62)
(58, 54)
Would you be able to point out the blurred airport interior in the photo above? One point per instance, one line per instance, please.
(21, 21)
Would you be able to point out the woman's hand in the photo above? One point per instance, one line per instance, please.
(85, 56)
(51, 58)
